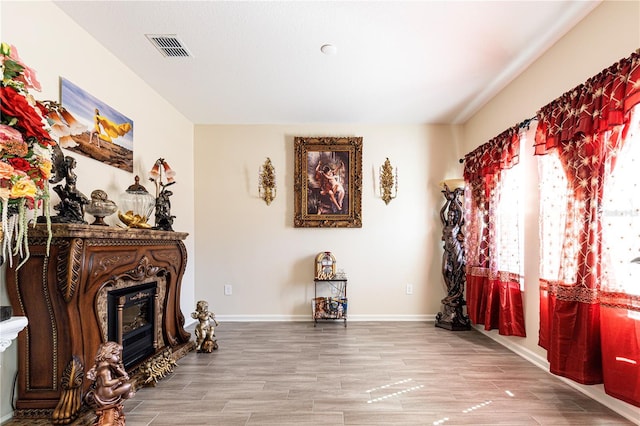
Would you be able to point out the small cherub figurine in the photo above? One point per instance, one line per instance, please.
(205, 330)
(111, 385)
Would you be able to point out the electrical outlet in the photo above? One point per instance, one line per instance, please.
(409, 289)
(228, 290)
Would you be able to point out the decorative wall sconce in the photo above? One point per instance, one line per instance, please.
(267, 182)
(388, 182)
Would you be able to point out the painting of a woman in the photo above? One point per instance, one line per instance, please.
(327, 174)
(328, 182)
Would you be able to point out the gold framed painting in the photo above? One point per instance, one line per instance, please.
(328, 182)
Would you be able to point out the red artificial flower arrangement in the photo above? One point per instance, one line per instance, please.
(25, 152)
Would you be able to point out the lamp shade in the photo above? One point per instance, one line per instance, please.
(452, 184)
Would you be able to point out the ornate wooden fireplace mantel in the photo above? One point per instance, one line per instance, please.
(63, 295)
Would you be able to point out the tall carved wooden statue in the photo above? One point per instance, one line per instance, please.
(452, 316)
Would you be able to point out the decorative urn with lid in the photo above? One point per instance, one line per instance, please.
(136, 205)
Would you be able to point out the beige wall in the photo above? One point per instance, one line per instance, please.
(55, 46)
(611, 32)
(269, 263)
(254, 247)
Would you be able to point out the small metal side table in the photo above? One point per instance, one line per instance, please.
(330, 301)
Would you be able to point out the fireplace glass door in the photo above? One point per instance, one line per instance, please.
(132, 313)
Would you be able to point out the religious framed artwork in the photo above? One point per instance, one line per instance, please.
(91, 127)
(328, 182)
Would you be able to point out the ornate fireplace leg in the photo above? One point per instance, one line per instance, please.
(71, 398)
(452, 316)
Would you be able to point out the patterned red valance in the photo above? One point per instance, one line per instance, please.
(501, 152)
(599, 104)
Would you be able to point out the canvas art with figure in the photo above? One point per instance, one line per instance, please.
(328, 178)
(328, 182)
(93, 128)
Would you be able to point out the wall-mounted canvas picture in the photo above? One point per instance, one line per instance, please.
(95, 129)
(328, 182)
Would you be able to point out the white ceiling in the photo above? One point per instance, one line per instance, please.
(259, 62)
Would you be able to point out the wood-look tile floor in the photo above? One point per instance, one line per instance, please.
(369, 373)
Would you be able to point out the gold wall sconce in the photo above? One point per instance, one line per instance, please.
(388, 182)
(267, 182)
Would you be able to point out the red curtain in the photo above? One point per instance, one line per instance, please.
(585, 129)
(621, 345)
(494, 297)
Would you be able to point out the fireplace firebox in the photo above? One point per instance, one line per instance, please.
(131, 321)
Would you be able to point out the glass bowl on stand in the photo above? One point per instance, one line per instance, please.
(100, 207)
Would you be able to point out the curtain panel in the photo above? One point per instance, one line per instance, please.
(620, 286)
(580, 322)
(494, 297)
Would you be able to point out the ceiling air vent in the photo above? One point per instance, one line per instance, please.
(169, 45)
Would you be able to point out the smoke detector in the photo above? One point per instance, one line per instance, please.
(328, 49)
(169, 45)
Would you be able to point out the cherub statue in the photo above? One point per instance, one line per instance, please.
(111, 385)
(205, 330)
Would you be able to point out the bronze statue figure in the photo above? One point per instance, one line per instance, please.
(72, 202)
(111, 385)
(453, 265)
(160, 171)
(164, 219)
(205, 329)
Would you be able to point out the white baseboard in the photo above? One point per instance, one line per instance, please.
(307, 318)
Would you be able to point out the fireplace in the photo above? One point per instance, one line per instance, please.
(94, 284)
(131, 321)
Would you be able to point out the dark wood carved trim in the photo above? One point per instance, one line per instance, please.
(50, 325)
(143, 270)
(68, 270)
(108, 262)
(70, 401)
